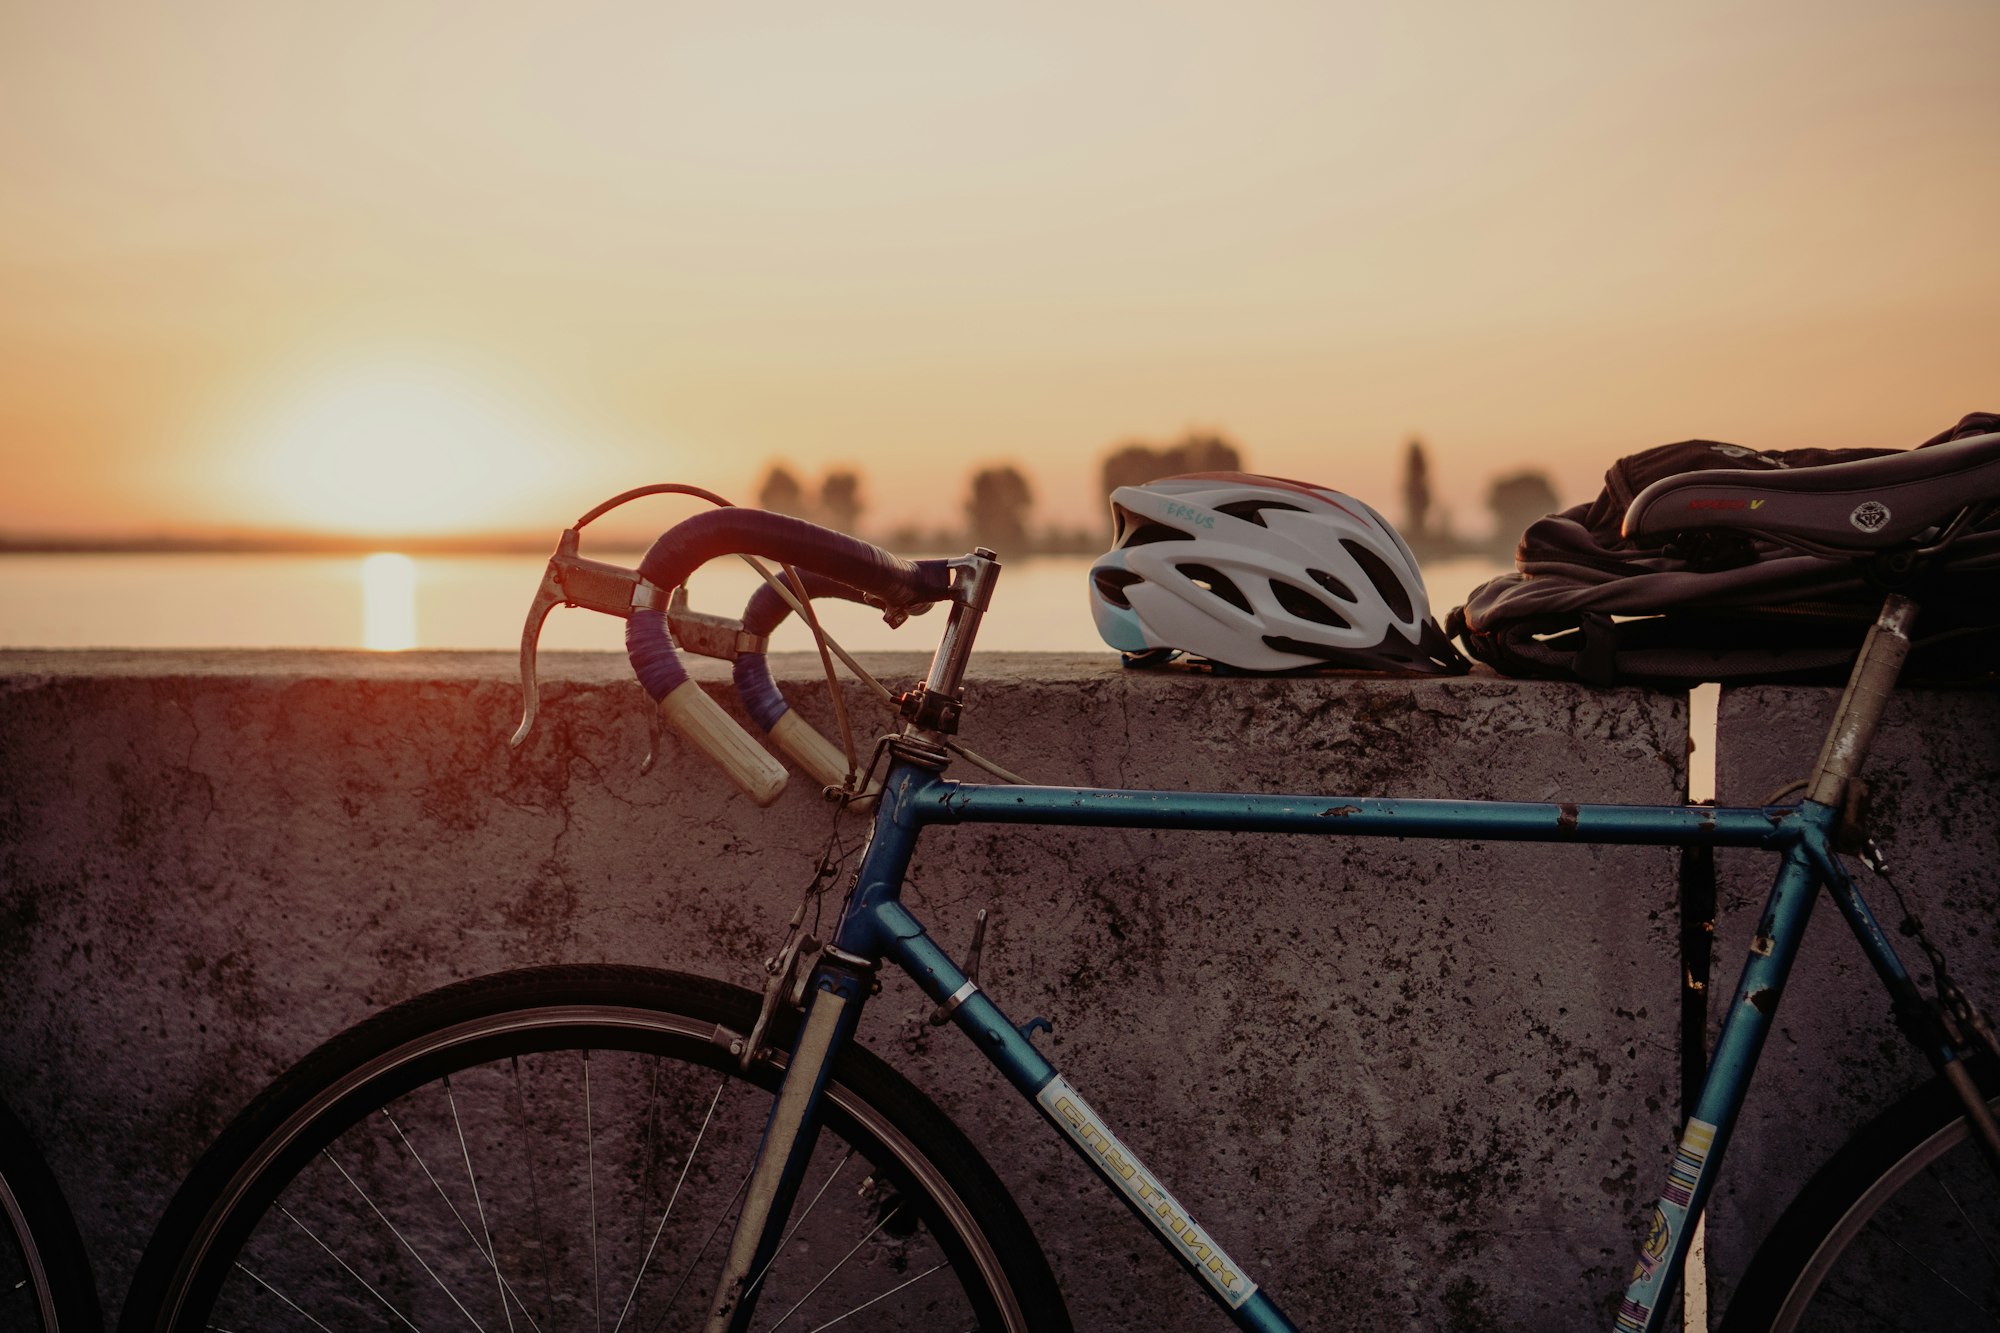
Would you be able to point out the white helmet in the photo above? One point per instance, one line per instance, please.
(1262, 574)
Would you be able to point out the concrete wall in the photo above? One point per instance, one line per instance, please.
(1447, 1069)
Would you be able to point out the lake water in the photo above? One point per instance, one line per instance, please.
(315, 601)
(325, 601)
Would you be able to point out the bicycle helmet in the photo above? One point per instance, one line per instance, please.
(1262, 574)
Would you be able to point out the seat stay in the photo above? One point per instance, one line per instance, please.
(1867, 505)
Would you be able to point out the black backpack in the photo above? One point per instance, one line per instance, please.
(1723, 604)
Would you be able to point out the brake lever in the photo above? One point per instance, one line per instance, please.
(547, 598)
(571, 580)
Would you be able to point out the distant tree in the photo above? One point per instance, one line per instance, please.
(840, 499)
(1416, 492)
(1517, 500)
(1136, 463)
(782, 493)
(1132, 464)
(997, 511)
(1204, 453)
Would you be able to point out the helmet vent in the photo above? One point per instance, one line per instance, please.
(1326, 652)
(1384, 578)
(1214, 581)
(1333, 585)
(1299, 602)
(1112, 583)
(1252, 511)
(1146, 533)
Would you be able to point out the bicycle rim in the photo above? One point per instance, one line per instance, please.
(535, 1154)
(27, 1288)
(45, 1281)
(1900, 1231)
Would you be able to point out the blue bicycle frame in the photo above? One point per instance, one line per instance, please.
(875, 925)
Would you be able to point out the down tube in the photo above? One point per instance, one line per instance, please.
(902, 937)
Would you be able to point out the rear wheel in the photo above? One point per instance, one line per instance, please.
(1901, 1230)
(566, 1148)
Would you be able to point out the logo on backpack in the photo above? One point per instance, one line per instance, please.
(1870, 516)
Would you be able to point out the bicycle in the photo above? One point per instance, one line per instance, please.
(45, 1277)
(797, 1181)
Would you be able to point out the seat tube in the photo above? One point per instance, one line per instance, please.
(840, 985)
(1765, 972)
(1744, 1028)
(1861, 707)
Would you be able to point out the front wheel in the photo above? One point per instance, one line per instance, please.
(1901, 1230)
(566, 1147)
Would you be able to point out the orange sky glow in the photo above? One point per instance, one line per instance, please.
(406, 268)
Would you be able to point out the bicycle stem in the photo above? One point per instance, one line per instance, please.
(931, 711)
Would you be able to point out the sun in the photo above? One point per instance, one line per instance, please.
(393, 447)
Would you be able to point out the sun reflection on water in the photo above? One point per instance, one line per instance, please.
(388, 602)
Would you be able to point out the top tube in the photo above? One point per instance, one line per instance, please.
(945, 802)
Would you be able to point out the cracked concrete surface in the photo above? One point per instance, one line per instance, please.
(1426, 1085)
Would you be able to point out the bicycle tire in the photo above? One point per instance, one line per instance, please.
(1899, 1230)
(45, 1278)
(431, 1100)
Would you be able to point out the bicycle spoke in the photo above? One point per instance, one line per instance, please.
(443, 1171)
(1942, 1280)
(384, 1300)
(590, 1176)
(876, 1300)
(673, 1198)
(478, 1206)
(487, 1253)
(800, 1221)
(653, 1131)
(1868, 1312)
(1881, 1224)
(728, 1212)
(1971, 1227)
(842, 1263)
(534, 1191)
(402, 1239)
(247, 1272)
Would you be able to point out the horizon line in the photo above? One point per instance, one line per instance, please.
(506, 542)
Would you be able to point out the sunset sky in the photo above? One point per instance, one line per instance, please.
(411, 267)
